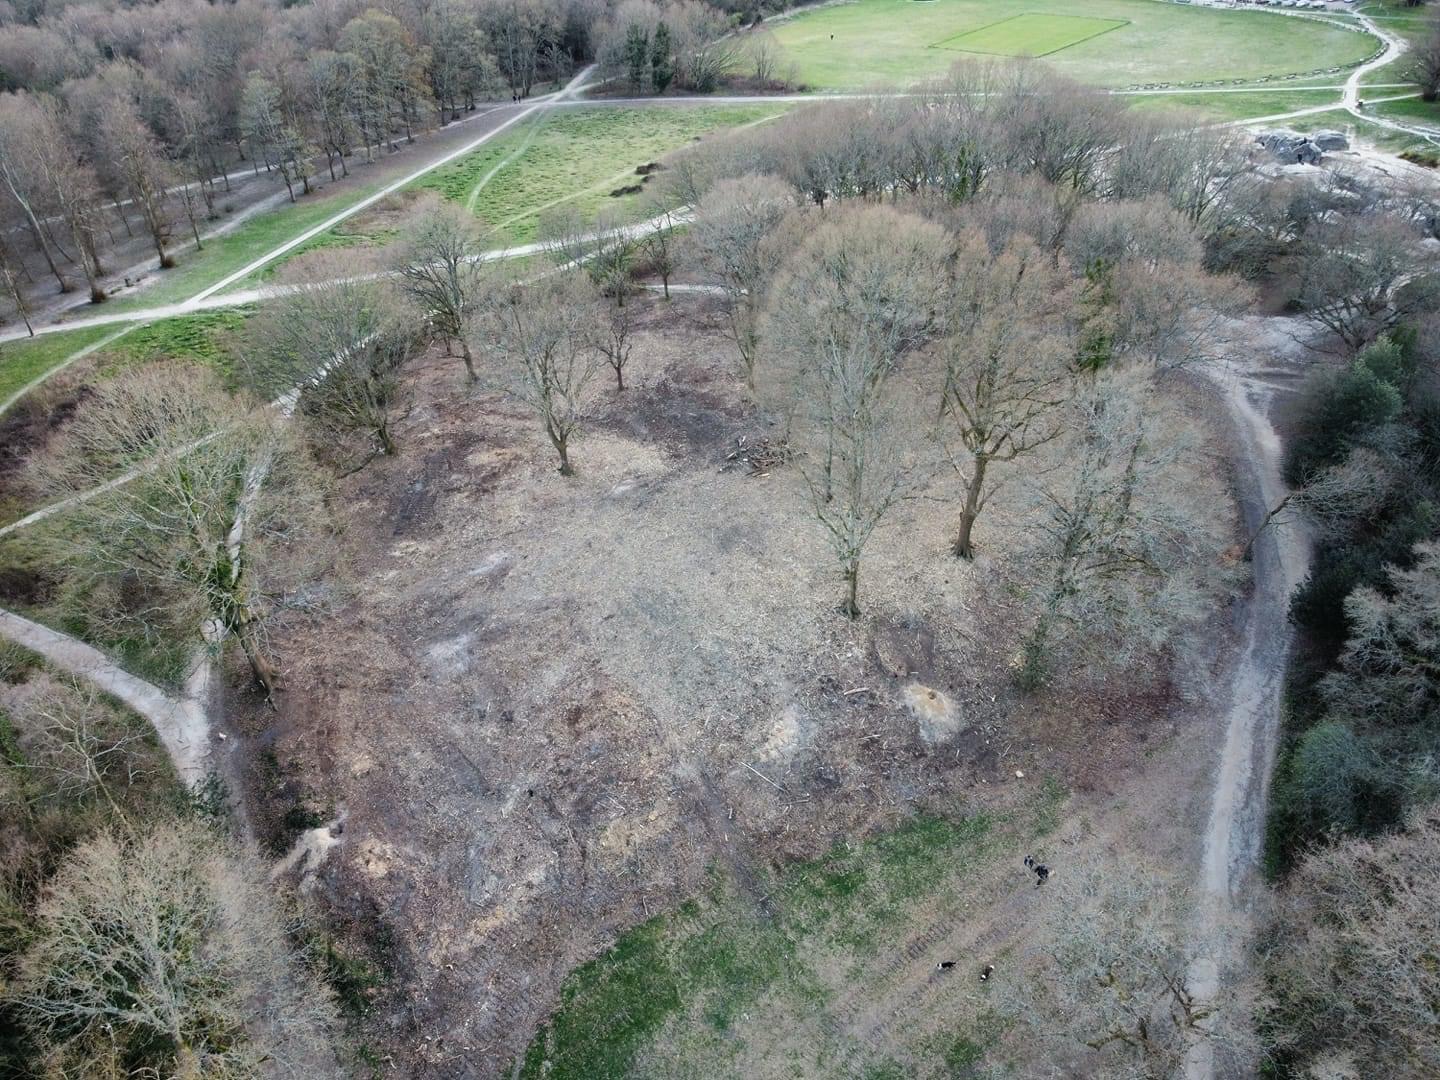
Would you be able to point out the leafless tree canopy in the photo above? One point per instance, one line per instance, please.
(540, 339)
(1003, 367)
(203, 498)
(1108, 973)
(735, 242)
(167, 954)
(334, 347)
(854, 299)
(1124, 536)
(440, 270)
(1359, 276)
(1350, 957)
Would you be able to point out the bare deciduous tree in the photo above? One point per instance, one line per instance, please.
(614, 334)
(1108, 971)
(1350, 957)
(657, 242)
(1360, 275)
(854, 299)
(71, 739)
(214, 495)
(341, 339)
(167, 955)
(43, 172)
(603, 248)
(1004, 365)
(1124, 536)
(439, 265)
(1426, 65)
(734, 237)
(273, 135)
(1161, 306)
(542, 339)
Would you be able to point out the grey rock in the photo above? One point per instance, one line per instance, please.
(1290, 147)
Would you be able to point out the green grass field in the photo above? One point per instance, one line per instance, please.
(684, 993)
(576, 156)
(1425, 113)
(199, 337)
(1219, 107)
(877, 42)
(21, 362)
(573, 156)
(1030, 35)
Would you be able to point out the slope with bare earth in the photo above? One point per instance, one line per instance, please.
(550, 709)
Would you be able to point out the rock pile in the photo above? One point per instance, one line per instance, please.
(1290, 147)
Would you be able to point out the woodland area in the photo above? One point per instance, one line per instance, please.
(137, 117)
(888, 453)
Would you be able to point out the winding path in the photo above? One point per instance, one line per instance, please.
(1280, 557)
(180, 722)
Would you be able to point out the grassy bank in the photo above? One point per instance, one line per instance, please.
(689, 993)
(577, 156)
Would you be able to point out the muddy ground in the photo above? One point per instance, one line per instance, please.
(547, 707)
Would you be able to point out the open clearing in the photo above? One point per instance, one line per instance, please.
(1030, 35)
(876, 42)
(551, 709)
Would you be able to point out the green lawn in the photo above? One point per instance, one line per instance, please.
(873, 42)
(1426, 113)
(684, 993)
(1220, 107)
(200, 337)
(1030, 35)
(578, 156)
(21, 362)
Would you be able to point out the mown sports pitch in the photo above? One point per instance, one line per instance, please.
(1030, 35)
(892, 42)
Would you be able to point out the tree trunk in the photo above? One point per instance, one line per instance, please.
(260, 666)
(563, 448)
(120, 213)
(165, 261)
(14, 289)
(39, 237)
(964, 547)
(469, 360)
(851, 606)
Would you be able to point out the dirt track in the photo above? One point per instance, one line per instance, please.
(1263, 359)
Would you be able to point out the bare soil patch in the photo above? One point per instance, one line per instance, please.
(549, 708)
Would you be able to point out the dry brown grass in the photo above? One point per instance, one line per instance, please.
(539, 696)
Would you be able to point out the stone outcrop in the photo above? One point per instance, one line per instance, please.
(1290, 147)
